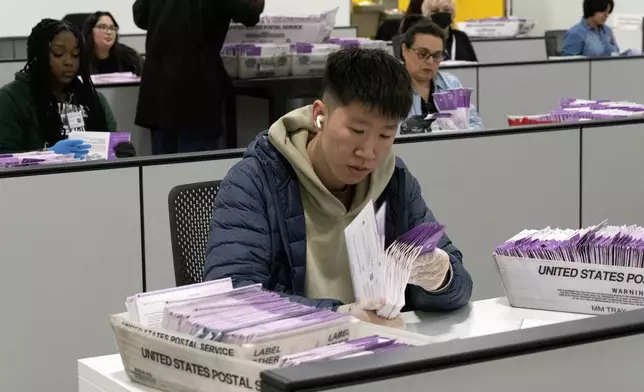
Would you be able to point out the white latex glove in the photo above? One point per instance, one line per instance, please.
(429, 270)
(370, 316)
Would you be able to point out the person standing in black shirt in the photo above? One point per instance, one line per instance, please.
(106, 53)
(457, 44)
(184, 84)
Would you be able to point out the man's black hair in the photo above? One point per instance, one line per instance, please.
(118, 52)
(371, 77)
(591, 7)
(425, 26)
(39, 73)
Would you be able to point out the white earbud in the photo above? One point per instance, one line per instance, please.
(318, 120)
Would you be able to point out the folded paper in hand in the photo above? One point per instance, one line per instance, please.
(380, 275)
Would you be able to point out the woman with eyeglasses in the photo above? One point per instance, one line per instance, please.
(423, 50)
(106, 54)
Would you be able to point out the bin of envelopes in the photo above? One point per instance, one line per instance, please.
(264, 60)
(595, 270)
(281, 29)
(310, 59)
(207, 340)
(503, 27)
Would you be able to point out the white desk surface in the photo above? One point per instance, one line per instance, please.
(106, 374)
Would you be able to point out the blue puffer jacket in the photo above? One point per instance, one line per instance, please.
(259, 234)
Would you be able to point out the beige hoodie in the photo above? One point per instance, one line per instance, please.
(327, 262)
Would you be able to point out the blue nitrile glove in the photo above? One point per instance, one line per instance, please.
(71, 146)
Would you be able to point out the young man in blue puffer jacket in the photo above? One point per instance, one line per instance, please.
(280, 213)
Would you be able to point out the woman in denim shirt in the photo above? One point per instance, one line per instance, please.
(422, 52)
(591, 37)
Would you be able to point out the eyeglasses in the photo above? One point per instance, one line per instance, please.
(425, 55)
(105, 28)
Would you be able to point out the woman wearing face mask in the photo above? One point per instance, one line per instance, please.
(53, 96)
(423, 50)
(591, 37)
(457, 44)
(106, 54)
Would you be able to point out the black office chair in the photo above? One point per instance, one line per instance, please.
(77, 20)
(191, 207)
(554, 42)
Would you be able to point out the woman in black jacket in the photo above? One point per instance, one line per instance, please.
(106, 53)
(457, 46)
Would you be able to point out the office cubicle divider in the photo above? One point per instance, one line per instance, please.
(500, 90)
(8, 69)
(80, 238)
(509, 50)
(123, 101)
(619, 80)
(613, 184)
(74, 246)
(15, 48)
(6, 50)
(595, 354)
(529, 88)
(71, 251)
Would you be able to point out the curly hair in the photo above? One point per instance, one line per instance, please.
(38, 71)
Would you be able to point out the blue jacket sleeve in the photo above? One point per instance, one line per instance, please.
(240, 245)
(459, 290)
(573, 44)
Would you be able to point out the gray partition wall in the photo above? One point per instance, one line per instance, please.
(134, 41)
(468, 76)
(20, 48)
(500, 90)
(78, 239)
(528, 89)
(71, 253)
(16, 48)
(6, 49)
(490, 51)
(618, 79)
(612, 175)
(123, 101)
(8, 70)
(486, 189)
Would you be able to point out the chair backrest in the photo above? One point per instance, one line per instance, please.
(554, 42)
(191, 207)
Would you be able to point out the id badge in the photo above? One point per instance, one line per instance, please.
(75, 120)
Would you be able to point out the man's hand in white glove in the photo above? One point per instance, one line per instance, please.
(431, 270)
(370, 316)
